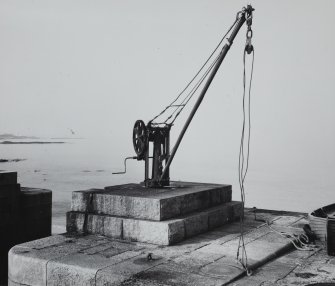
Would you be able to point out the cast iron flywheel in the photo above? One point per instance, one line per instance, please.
(140, 138)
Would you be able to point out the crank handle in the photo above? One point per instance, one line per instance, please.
(125, 165)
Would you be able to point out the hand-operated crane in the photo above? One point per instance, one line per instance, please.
(157, 134)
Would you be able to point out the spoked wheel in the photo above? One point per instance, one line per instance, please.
(140, 138)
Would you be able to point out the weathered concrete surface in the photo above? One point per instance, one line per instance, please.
(136, 201)
(206, 259)
(295, 268)
(165, 232)
(28, 262)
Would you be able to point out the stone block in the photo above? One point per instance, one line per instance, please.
(94, 224)
(8, 178)
(237, 210)
(162, 233)
(29, 266)
(25, 268)
(136, 201)
(28, 263)
(105, 225)
(176, 232)
(195, 224)
(165, 232)
(126, 206)
(75, 222)
(83, 200)
(221, 216)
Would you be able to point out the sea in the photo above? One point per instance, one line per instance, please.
(84, 163)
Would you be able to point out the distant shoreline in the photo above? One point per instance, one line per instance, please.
(11, 160)
(67, 138)
(8, 136)
(32, 142)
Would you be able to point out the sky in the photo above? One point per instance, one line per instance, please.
(97, 66)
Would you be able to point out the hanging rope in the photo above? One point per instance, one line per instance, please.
(194, 89)
(201, 76)
(243, 162)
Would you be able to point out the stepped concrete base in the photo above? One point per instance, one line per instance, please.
(166, 232)
(137, 201)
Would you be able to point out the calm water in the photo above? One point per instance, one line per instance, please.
(88, 163)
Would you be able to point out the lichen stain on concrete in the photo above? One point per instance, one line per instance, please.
(161, 276)
(305, 275)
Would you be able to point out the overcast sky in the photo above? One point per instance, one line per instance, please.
(97, 66)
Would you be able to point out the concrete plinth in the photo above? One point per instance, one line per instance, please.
(137, 201)
(165, 232)
(161, 216)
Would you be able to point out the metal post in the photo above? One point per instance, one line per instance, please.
(223, 53)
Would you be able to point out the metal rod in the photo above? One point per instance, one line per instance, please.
(223, 53)
(125, 166)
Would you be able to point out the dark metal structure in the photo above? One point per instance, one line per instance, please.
(159, 137)
(152, 141)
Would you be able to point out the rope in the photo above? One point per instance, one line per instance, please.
(195, 88)
(187, 98)
(243, 162)
(190, 94)
(296, 240)
(300, 242)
